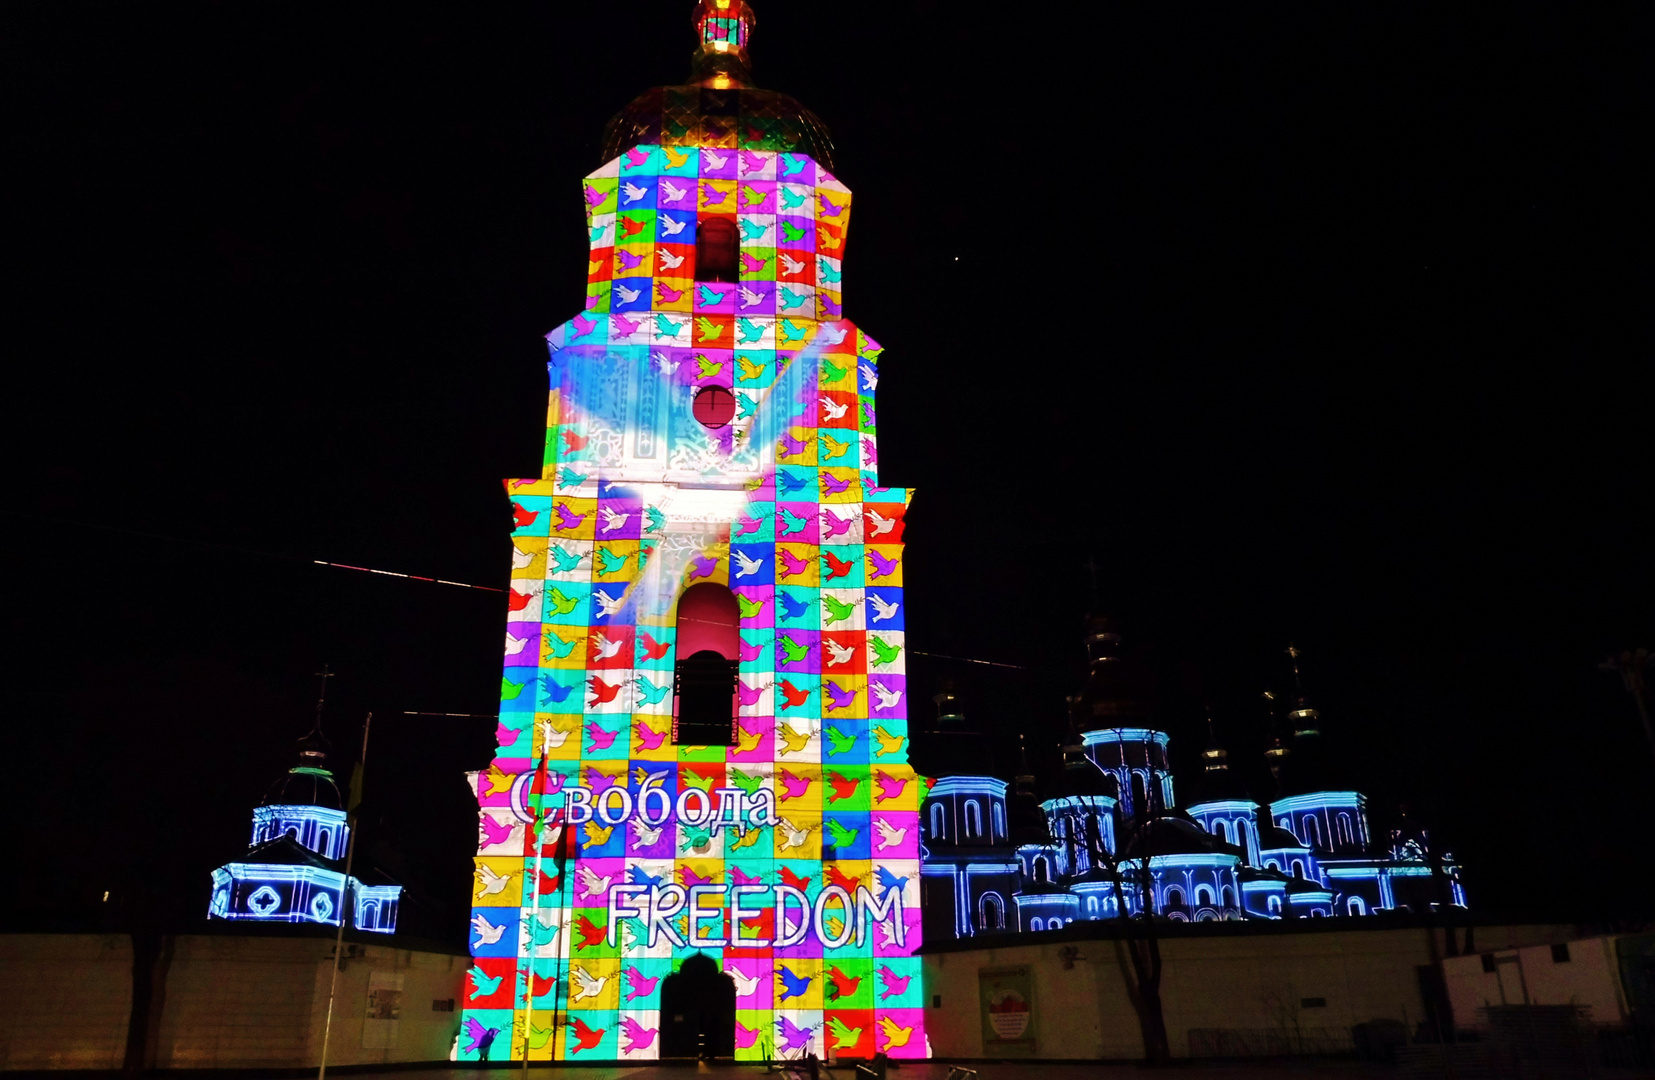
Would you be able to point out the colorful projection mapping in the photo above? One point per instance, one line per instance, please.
(703, 727)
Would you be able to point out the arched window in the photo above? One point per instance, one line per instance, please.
(1042, 869)
(1317, 913)
(991, 912)
(1173, 898)
(1221, 828)
(1110, 905)
(1091, 905)
(1203, 896)
(973, 818)
(293, 833)
(716, 248)
(1272, 864)
(1354, 906)
(937, 830)
(1140, 801)
(999, 820)
(1244, 834)
(1229, 896)
(322, 839)
(1274, 904)
(1312, 834)
(1036, 924)
(705, 704)
(1298, 868)
(1344, 829)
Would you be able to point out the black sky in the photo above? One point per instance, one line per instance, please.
(1328, 324)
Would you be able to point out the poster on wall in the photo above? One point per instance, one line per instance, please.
(1007, 1002)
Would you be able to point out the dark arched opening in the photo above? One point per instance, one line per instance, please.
(716, 247)
(705, 706)
(698, 1011)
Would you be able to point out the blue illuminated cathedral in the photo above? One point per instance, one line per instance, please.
(1113, 839)
(294, 870)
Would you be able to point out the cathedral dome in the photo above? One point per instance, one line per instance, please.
(719, 106)
(309, 783)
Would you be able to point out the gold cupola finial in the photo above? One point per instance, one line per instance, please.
(722, 29)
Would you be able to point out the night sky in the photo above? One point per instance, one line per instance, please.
(1322, 324)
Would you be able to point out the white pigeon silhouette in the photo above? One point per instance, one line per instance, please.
(632, 192)
(881, 523)
(882, 610)
(630, 296)
(647, 834)
(746, 565)
(612, 518)
(672, 227)
(887, 697)
(749, 297)
(870, 378)
(829, 336)
(667, 366)
(795, 836)
(609, 606)
(838, 653)
(672, 191)
(716, 160)
(669, 261)
(605, 647)
(551, 736)
(492, 882)
(590, 883)
(833, 410)
(887, 935)
(790, 265)
(519, 558)
(515, 644)
(745, 984)
(487, 932)
(889, 835)
(590, 986)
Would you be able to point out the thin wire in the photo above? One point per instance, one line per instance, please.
(459, 715)
(247, 550)
(968, 660)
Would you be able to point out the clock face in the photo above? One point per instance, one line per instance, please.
(713, 407)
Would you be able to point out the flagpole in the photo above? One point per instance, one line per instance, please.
(534, 904)
(344, 896)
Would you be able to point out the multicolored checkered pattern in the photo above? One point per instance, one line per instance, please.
(636, 503)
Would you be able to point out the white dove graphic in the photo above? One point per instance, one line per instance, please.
(716, 160)
(667, 366)
(887, 935)
(796, 836)
(889, 835)
(612, 519)
(669, 261)
(870, 378)
(647, 834)
(515, 644)
(632, 192)
(887, 697)
(746, 984)
(605, 647)
(747, 566)
(749, 297)
(520, 558)
(492, 882)
(838, 654)
(881, 523)
(590, 985)
(829, 335)
(630, 296)
(831, 409)
(590, 883)
(609, 606)
(487, 932)
(790, 265)
(671, 226)
(672, 191)
(551, 736)
(882, 610)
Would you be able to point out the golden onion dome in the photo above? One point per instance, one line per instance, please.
(719, 106)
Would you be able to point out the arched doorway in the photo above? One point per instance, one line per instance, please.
(698, 1011)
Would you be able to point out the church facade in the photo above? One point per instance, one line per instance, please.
(703, 721)
(1113, 840)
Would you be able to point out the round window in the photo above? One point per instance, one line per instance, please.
(714, 406)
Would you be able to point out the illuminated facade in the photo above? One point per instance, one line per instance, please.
(704, 653)
(989, 868)
(294, 870)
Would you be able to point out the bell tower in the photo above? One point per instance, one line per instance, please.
(704, 710)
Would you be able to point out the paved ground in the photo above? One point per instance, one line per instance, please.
(1337, 1070)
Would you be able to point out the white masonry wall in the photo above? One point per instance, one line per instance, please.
(64, 1000)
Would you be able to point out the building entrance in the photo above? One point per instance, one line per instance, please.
(698, 1011)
